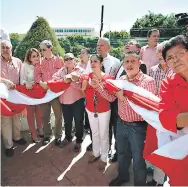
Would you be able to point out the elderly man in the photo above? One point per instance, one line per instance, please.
(10, 75)
(131, 128)
(148, 52)
(111, 66)
(50, 64)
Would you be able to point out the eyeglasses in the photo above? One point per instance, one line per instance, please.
(67, 59)
(178, 54)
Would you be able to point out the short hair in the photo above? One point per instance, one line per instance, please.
(87, 50)
(7, 43)
(134, 42)
(106, 40)
(150, 32)
(133, 53)
(161, 45)
(177, 40)
(46, 43)
(29, 53)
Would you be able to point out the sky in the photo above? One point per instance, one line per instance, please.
(18, 15)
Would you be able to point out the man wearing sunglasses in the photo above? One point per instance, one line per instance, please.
(50, 64)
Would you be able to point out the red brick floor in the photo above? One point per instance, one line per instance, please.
(32, 165)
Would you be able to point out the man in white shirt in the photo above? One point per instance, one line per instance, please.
(111, 66)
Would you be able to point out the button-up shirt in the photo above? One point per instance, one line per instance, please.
(47, 69)
(111, 65)
(71, 94)
(11, 70)
(125, 111)
(159, 74)
(149, 57)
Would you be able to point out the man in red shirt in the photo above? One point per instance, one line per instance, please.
(131, 128)
(50, 64)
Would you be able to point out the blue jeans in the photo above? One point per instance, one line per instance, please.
(130, 137)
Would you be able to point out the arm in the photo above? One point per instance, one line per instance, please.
(59, 75)
(168, 112)
(9, 83)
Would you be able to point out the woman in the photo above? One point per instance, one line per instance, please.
(32, 60)
(72, 102)
(98, 109)
(174, 99)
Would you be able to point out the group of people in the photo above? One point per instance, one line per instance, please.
(88, 101)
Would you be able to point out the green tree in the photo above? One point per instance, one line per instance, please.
(39, 31)
(15, 40)
(117, 52)
(165, 23)
(65, 44)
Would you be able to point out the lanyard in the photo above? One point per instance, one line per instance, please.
(95, 101)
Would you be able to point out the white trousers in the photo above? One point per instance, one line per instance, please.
(100, 133)
(10, 129)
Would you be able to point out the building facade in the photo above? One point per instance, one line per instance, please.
(66, 31)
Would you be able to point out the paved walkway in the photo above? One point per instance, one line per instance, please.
(35, 165)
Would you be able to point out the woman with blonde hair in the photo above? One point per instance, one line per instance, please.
(27, 75)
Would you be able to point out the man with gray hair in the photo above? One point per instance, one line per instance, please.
(10, 75)
(111, 67)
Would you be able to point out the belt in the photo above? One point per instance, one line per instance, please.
(134, 123)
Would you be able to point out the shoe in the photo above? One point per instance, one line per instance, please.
(77, 148)
(90, 147)
(58, 141)
(118, 182)
(21, 141)
(35, 141)
(87, 131)
(46, 141)
(93, 159)
(34, 138)
(114, 158)
(153, 183)
(9, 152)
(64, 143)
(101, 165)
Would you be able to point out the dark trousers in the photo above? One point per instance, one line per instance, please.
(76, 111)
(113, 122)
(130, 137)
(86, 120)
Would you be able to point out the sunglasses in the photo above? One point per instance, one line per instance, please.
(67, 59)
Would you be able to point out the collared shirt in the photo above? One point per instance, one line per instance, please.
(125, 111)
(173, 93)
(71, 94)
(111, 65)
(159, 74)
(47, 68)
(149, 57)
(11, 70)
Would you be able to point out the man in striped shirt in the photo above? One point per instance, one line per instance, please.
(50, 64)
(131, 128)
(161, 70)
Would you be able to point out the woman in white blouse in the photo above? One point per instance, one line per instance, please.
(32, 60)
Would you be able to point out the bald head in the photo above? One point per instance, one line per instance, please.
(103, 46)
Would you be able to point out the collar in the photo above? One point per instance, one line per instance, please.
(108, 56)
(137, 77)
(10, 62)
(178, 80)
(147, 46)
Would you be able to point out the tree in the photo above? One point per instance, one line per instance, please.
(117, 52)
(165, 23)
(65, 44)
(15, 40)
(39, 31)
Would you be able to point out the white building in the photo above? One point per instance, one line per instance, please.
(66, 31)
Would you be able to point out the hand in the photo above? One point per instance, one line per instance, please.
(67, 80)
(75, 77)
(84, 85)
(120, 95)
(10, 85)
(44, 85)
(29, 85)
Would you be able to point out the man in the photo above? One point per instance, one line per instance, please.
(148, 52)
(10, 75)
(132, 45)
(50, 64)
(111, 66)
(131, 128)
